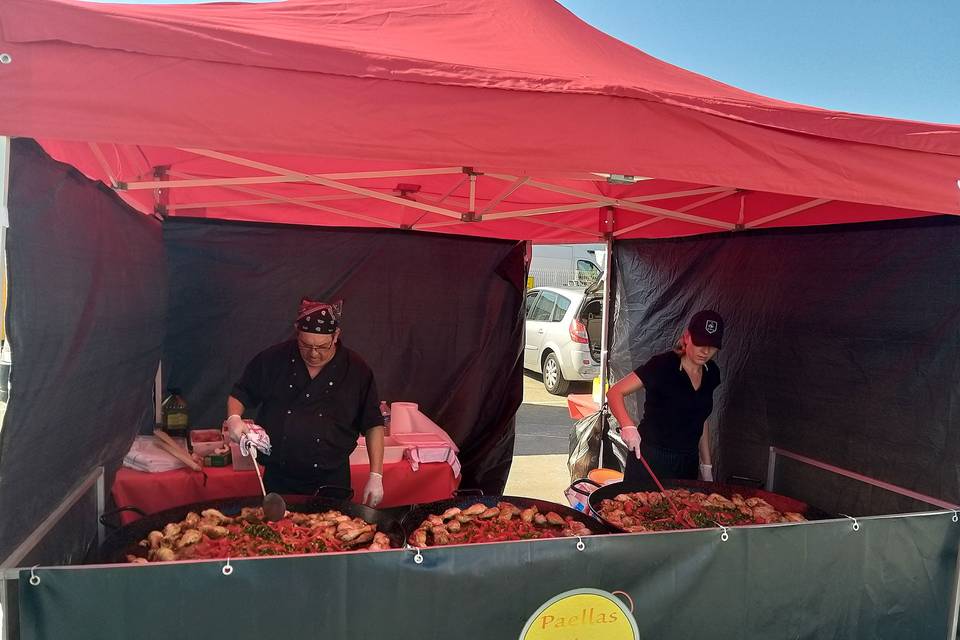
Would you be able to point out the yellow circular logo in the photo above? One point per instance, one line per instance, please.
(582, 614)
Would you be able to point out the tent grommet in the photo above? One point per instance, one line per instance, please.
(856, 525)
(418, 557)
(5, 58)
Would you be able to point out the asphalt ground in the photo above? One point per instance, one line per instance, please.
(543, 425)
(543, 420)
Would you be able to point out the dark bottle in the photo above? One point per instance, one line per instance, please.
(175, 416)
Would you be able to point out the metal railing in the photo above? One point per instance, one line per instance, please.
(776, 452)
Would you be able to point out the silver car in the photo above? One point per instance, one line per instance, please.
(563, 336)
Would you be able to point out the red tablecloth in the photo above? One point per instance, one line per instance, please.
(581, 405)
(153, 492)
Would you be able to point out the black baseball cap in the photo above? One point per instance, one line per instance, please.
(706, 329)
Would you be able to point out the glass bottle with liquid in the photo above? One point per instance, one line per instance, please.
(175, 416)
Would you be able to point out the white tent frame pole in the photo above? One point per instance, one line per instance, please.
(786, 212)
(332, 197)
(309, 205)
(98, 154)
(605, 327)
(333, 184)
(287, 176)
(503, 195)
(4, 223)
(623, 204)
(689, 207)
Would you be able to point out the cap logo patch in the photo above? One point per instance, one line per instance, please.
(711, 326)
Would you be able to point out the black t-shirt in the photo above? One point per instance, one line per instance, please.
(313, 424)
(673, 412)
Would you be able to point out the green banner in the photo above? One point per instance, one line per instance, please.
(892, 577)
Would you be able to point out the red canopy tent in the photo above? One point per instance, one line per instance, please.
(512, 119)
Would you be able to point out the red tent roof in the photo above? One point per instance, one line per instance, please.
(394, 113)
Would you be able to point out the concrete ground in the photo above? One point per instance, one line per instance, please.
(540, 454)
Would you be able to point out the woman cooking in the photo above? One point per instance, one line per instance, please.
(673, 436)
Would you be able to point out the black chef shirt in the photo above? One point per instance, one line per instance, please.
(673, 412)
(313, 424)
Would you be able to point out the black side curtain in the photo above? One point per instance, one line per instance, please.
(842, 344)
(438, 319)
(85, 318)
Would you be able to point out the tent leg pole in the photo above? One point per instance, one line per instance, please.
(605, 338)
(954, 613)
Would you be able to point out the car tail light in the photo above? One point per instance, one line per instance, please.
(578, 332)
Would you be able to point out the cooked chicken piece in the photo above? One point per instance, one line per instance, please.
(213, 513)
(791, 516)
(765, 515)
(539, 518)
(419, 538)
(172, 530)
(654, 498)
(363, 538)
(353, 534)
(154, 538)
(435, 520)
(136, 559)
(449, 513)
(508, 506)
(505, 515)
(475, 509)
(192, 519)
(190, 536)
(380, 541)
(527, 514)
(555, 519)
(489, 513)
(440, 535)
(163, 554)
(209, 522)
(349, 525)
(300, 518)
(453, 526)
(342, 518)
(717, 500)
(753, 502)
(463, 518)
(698, 497)
(623, 497)
(215, 533)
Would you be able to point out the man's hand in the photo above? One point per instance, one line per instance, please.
(236, 427)
(632, 439)
(373, 492)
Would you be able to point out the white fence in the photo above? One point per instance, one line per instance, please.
(559, 278)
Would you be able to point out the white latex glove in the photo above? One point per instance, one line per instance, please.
(236, 427)
(373, 492)
(254, 438)
(706, 472)
(631, 437)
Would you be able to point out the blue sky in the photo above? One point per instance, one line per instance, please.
(897, 58)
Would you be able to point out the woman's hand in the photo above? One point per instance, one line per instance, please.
(631, 437)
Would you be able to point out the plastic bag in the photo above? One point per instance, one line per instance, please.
(586, 440)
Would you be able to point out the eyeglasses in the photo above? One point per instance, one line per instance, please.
(319, 348)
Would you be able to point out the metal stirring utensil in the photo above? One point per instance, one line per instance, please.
(274, 506)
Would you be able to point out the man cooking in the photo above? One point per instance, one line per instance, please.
(315, 397)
